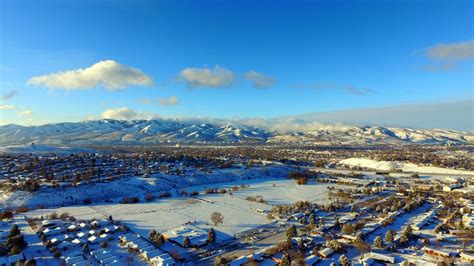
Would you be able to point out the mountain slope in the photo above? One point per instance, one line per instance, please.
(105, 132)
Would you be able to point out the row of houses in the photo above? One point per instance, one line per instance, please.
(147, 251)
(422, 220)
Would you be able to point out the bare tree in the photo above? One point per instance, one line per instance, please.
(217, 218)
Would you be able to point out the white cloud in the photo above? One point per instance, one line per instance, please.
(123, 113)
(259, 80)
(7, 107)
(453, 115)
(206, 77)
(25, 113)
(126, 113)
(451, 51)
(108, 73)
(173, 100)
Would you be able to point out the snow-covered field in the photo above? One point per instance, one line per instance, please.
(135, 187)
(281, 192)
(405, 167)
(239, 214)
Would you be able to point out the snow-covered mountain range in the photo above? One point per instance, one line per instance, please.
(107, 132)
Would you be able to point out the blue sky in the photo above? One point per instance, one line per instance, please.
(231, 59)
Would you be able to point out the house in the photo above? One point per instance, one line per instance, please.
(102, 256)
(82, 263)
(239, 261)
(93, 239)
(468, 220)
(149, 254)
(380, 257)
(453, 180)
(139, 244)
(65, 245)
(110, 260)
(197, 236)
(72, 227)
(423, 220)
(129, 237)
(115, 263)
(163, 260)
(451, 187)
(75, 260)
(311, 260)
(268, 262)
(296, 216)
(437, 252)
(98, 251)
(107, 259)
(326, 252)
(50, 232)
(467, 257)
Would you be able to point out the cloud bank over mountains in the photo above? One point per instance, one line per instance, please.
(445, 115)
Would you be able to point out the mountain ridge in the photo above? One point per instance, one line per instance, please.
(163, 131)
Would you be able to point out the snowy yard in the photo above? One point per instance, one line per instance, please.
(239, 214)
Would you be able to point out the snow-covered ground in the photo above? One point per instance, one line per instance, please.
(239, 214)
(405, 167)
(135, 187)
(282, 192)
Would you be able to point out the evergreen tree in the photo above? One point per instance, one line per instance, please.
(312, 223)
(378, 242)
(321, 222)
(406, 234)
(186, 242)
(152, 235)
(334, 244)
(211, 236)
(291, 231)
(159, 240)
(389, 236)
(57, 254)
(353, 208)
(347, 229)
(14, 231)
(344, 260)
(14, 250)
